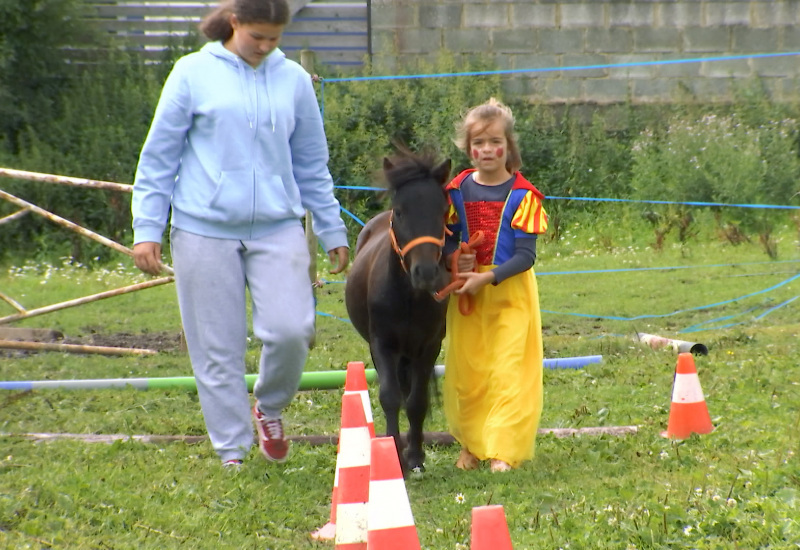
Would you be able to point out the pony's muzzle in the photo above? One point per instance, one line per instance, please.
(425, 275)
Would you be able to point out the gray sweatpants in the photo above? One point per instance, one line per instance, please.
(211, 276)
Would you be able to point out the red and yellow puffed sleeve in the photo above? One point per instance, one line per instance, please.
(530, 216)
(452, 214)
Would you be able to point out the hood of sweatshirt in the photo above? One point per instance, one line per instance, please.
(274, 58)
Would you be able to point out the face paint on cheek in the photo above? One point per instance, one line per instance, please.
(499, 152)
(475, 153)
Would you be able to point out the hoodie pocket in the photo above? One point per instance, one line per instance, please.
(240, 197)
(232, 201)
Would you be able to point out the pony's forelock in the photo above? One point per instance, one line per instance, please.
(408, 167)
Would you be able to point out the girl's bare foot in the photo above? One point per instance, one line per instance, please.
(498, 465)
(467, 460)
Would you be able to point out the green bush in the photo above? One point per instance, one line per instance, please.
(722, 159)
(34, 35)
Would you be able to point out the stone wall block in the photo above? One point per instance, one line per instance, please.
(727, 13)
(748, 40)
(680, 14)
(535, 16)
(738, 68)
(636, 14)
(517, 41)
(419, 40)
(583, 15)
(394, 17)
(703, 39)
(585, 65)
(657, 40)
(617, 40)
(631, 66)
(494, 15)
(561, 41)
(440, 16)
(472, 40)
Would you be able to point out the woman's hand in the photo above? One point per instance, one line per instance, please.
(340, 257)
(147, 257)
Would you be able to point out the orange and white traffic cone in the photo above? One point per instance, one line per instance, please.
(355, 382)
(390, 522)
(353, 465)
(688, 413)
(489, 529)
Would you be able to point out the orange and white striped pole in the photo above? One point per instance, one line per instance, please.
(353, 465)
(688, 413)
(389, 519)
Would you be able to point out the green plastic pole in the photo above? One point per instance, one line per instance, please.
(315, 380)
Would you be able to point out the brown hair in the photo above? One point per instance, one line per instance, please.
(217, 26)
(478, 118)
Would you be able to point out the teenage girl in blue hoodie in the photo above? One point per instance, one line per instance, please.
(237, 152)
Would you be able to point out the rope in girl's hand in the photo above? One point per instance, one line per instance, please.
(465, 303)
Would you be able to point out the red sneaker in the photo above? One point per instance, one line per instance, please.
(271, 440)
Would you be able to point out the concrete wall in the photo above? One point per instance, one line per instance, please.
(549, 34)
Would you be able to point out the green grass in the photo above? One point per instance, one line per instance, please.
(736, 488)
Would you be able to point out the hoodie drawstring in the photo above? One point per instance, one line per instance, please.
(245, 92)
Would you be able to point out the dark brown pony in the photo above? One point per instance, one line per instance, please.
(389, 292)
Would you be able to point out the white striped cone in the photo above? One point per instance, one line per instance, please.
(353, 465)
(489, 529)
(688, 413)
(389, 517)
(356, 382)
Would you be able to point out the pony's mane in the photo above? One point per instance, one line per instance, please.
(408, 167)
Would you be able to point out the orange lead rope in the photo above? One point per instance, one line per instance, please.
(465, 304)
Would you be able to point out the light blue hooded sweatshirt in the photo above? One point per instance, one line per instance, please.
(238, 152)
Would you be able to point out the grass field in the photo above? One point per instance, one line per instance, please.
(736, 488)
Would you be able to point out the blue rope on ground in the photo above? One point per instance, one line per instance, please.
(668, 268)
(654, 316)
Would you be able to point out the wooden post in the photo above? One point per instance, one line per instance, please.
(307, 61)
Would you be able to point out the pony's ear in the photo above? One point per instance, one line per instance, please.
(387, 164)
(442, 172)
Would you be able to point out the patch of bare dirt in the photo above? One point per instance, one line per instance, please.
(158, 341)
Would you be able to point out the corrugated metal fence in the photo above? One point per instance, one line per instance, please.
(338, 32)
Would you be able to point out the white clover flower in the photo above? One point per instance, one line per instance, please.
(731, 502)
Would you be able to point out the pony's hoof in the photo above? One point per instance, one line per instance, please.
(416, 473)
(467, 460)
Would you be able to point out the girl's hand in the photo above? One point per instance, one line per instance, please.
(474, 281)
(466, 262)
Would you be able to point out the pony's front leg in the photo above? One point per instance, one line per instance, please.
(417, 409)
(390, 396)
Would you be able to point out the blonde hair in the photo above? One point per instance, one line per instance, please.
(479, 118)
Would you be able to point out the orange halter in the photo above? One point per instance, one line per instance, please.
(401, 252)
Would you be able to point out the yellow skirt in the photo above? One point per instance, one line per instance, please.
(493, 370)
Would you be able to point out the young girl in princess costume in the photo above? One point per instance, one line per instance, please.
(493, 354)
